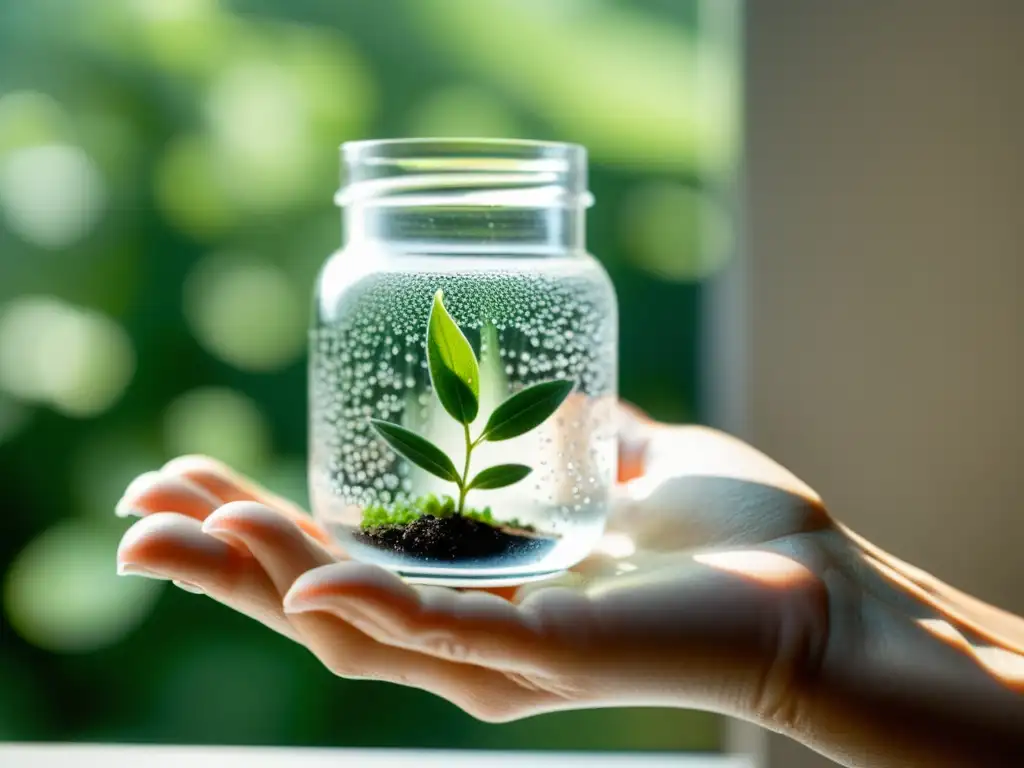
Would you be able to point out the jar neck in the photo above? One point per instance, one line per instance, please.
(464, 195)
(469, 229)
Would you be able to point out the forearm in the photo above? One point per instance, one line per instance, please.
(1002, 627)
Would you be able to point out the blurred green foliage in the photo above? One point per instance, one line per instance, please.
(166, 175)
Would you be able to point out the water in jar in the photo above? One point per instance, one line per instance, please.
(529, 319)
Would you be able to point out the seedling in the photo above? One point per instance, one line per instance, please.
(455, 375)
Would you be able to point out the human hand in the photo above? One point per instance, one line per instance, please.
(723, 584)
(605, 634)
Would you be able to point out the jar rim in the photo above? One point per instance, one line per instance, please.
(463, 171)
(391, 147)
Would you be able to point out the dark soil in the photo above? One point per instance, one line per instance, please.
(455, 538)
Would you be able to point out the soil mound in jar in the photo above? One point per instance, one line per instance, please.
(456, 537)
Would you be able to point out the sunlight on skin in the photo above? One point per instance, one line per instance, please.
(1003, 625)
(1005, 665)
(689, 452)
(878, 561)
(765, 567)
(616, 545)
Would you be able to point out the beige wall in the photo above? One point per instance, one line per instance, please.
(881, 347)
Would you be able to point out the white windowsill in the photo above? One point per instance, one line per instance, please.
(98, 756)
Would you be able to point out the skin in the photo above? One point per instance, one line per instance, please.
(723, 584)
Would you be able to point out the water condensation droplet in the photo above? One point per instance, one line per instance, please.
(367, 362)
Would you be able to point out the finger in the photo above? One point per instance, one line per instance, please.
(704, 631)
(227, 485)
(283, 549)
(471, 627)
(154, 492)
(172, 546)
(285, 554)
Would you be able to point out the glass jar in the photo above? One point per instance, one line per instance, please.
(482, 240)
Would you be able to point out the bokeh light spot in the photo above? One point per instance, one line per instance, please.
(30, 119)
(260, 124)
(245, 312)
(276, 93)
(75, 360)
(221, 423)
(188, 190)
(635, 91)
(462, 111)
(51, 195)
(335, 81)
(62, 592)
(675, 232)
(256, 110)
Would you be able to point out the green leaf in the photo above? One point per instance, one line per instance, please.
(453, 367)
(500, 476)
(417, 450)
(526, 410)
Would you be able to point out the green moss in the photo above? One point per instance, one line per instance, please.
(404, 512)
(399, 513)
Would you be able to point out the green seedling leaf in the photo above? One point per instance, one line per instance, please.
(416, 449)
(526, 410)
(499, 477)
(453, 367)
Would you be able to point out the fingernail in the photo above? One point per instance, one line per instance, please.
(131, 569)
(194, 589)
(124, 507)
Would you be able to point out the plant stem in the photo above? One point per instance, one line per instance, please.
(465, 471)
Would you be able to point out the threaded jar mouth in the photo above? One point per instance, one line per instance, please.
(464, 173)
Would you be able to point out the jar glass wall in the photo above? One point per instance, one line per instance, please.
(490, 234)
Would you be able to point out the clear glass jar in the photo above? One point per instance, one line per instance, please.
(498, 227)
